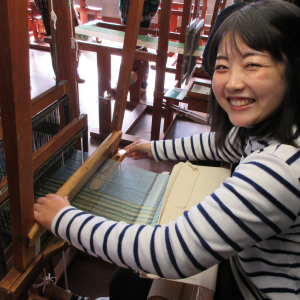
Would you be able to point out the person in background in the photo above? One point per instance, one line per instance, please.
(42, 5)
(249, 226)
(150, 9)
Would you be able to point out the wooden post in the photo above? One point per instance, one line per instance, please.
(104, 77)
(215, 14)
(161, 61)
(128, 53)
(66, 60)
(15, 102)
(185, 21)
(83, 12)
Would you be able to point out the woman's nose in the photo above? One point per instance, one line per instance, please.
(235, 80)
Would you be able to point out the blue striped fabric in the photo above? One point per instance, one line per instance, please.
(253, 219)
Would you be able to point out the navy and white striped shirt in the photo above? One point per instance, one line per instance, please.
(253, 218)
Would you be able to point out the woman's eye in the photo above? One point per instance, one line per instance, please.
(252, 65)
(220, 67)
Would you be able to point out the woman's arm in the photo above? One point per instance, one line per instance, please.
(193, 148)
(251, 206)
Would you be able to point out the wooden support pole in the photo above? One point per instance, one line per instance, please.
(15, 102)
(66, 60)
(131, 35)
(184, 23)
(161, 62)
(83, 12)
(104, 76)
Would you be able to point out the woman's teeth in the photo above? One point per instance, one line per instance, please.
(241, 102)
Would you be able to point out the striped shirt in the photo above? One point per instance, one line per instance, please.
(253, 218)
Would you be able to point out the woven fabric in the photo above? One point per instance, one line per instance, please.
(116, 192)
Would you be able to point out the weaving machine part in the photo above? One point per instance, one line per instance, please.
(121, 193)
(44, 126)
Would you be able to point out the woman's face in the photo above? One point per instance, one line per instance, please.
(248, 84)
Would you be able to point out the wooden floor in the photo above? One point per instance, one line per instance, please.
(88, 276)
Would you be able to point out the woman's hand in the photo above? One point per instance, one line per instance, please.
(139, 150)
(46, 208)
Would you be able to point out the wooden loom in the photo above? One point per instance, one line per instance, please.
(16, 109)
(104, 67)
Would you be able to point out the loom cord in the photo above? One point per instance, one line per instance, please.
(46, 124)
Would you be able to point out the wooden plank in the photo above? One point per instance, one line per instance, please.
(45, 99)
(200, 105)
(69, 256)
(4, 196)
(162, 56)
(142, 31)
(104, 77)
(184, 23)
(126, 138)
(36, 297)
(1, 131)
(215, 14)
(22, 282)
(57, 293)
(56, 142)
(8, 281)
(107, 50)
(131, 35)
(66, 60)
(15, 105)
(40, 47)
(133, 118)
(73, 185)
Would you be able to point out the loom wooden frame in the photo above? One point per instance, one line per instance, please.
(16, 121)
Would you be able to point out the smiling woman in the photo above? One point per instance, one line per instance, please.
(270, 39)
(250, 224)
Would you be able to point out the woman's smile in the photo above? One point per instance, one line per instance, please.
(240, 102)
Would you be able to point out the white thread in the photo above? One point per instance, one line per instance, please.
(47, 279)
(53, 15)
(54, 19)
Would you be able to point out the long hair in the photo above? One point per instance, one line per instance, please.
(272, 26)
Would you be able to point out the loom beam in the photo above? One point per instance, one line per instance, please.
(48, 97)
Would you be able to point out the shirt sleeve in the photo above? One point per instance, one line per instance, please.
(196, 148)
(259, 201)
